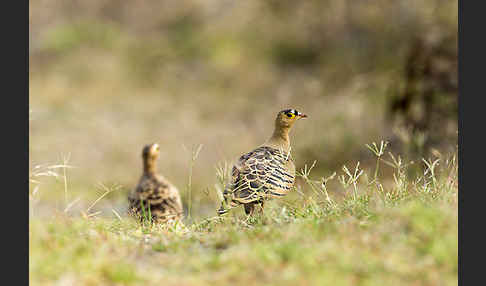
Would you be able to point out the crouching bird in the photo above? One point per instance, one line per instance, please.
(266, 172)
(154, 196)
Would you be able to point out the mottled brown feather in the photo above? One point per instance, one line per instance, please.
(155, 192)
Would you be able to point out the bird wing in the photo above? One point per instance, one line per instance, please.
(262, 173)
(162, 197)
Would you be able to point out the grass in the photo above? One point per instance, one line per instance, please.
(353, 227)
(106, 79)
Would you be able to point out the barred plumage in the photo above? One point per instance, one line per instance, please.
(266, 172)
(154, 194)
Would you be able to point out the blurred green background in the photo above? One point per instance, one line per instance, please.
(107, 77)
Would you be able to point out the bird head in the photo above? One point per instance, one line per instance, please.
(151, 152)
(287, 117)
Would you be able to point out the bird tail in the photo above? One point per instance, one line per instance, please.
(222, 210)
(225, 206)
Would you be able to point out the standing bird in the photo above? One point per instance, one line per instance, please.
(154, 195)
(266, 172)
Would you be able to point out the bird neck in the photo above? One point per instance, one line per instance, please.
(280, 138)
(149, 167)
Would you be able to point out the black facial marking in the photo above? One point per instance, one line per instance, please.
(290, 112)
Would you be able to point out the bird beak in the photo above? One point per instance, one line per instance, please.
(303, 116)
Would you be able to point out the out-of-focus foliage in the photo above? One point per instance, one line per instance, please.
(107, 77)
(427, 100)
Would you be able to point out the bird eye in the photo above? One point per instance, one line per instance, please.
(290, 115)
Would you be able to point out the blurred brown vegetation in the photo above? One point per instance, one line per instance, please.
(107, 77)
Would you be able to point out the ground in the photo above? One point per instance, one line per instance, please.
(402, 233)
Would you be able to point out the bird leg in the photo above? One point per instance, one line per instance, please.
(249, 209)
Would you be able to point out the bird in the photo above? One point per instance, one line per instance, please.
(265, 172)
(154, 194)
